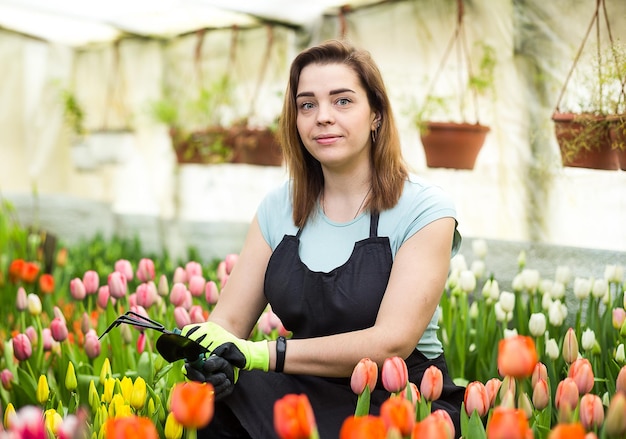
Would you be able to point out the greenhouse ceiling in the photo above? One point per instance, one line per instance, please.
(80, 22)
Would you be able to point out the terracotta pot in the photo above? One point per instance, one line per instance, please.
(452, 145)
(255, 147)
(202, 146)
(585, 141)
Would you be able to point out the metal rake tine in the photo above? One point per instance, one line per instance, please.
(113, 324)
(147, 319)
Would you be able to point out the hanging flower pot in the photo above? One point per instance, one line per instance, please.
(617, 132)
(255, 146)
(452, 145)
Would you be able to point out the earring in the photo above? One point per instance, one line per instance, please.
(374, 134)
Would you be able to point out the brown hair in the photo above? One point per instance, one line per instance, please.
(389, 170)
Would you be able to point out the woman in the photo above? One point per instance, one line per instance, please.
(352, 254)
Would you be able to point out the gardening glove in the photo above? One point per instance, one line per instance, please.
(243, 354)
(215, 370)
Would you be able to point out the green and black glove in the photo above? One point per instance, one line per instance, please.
(215, 370)
(244, 354)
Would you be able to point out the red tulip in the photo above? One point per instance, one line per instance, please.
(103, 296)
(582, 373)
(22, 347)
(432, 383)
(46, 283)
(517, 356)
(30, 270)
(591, 411)
(28, 423)
(398, 413)
(446, 418)
(15, 270)
(130, 427)
(192, 404)
(541, 394)
(476, 399)
(363, 427)
(568, 431)
(395, 374)
(508, 423)
(566, 395)
(293, 417)
(365, 373)
(432, 427)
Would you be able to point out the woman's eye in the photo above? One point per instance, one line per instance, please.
(343, 101)
(306, 105)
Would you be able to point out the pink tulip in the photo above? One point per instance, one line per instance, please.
(145, 296)
(141, 342)
(211, 293)
(566, 394)
(620, 382)
(91, 281)
(138, 309)
(77, 289)
(196, 314)
(48, 340)
(508, 385)
(222, 275)
(124, 267)
(619, 315)
(540, 372)
(395, 374)
(58, 329)
(32, 335)
(365, 373)
(103, 296)
(7, 378)
(180, 275)
(85, 323)
(181, 316)
(192, 269)
(22, 347)
(145, 270)
(28, 422)
(58, 314)
(493, 387)
(541, 394)
(132, 300)
(476, 399)
(230, 261)
(92, 344)
(582, 373)
(570, 346)
(117, 284)
(591, 411)
(21, 301)
(415, 393)
(432, 383)
(178, 294)
(196, 285)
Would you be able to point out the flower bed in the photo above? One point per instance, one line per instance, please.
(532, 367)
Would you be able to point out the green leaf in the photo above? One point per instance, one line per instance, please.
(363, 403)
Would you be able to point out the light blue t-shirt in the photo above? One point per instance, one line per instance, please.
(325, 244)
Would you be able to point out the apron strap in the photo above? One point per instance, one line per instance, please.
(373, 226)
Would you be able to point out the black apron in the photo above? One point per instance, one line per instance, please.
(312, 304)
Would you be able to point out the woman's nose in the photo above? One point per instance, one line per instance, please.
(324, 115)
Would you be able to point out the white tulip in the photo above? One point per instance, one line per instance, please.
(599, 288)
(557, 291)
(606, 399)
(588, 339)
(479, 247)
(619, 354)
(555, 313)
(501, 315)
(552, 349)
(507, 301)
(518, 283)
(614, 273)
(537, 324)
(545, 286)
(509, 333)
(467, 281)
(546, 302)
(531, 279)
(473, 310)
(563, 274)
(521, 259)
(453, 279)
(479, 268)
(491, 290)
(458, 262)
(34, 304)
(582, 288)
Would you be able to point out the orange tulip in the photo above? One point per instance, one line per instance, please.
(15, 270)
(130, 427)
(398, 413)
(395, 374)
(566, 395)
(432, 383)
(193, 404)
(539, 372)
(591, 411)
(365, 373)
(568, 431)
(541, 394)
(493, 387)
(517, 356)
(363, 427)
(412, 392)
(293, 417)
(476, 399)
(620, 382)
(508, 423)
(30, 270)
(582, 373)
(432, 427)
(46, 283)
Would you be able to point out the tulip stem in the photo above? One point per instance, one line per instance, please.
(192, 433)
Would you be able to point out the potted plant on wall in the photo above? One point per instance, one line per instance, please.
(456, 144)
(590, 128)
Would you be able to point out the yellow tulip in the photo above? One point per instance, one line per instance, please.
(9, 412)
(109, 386)
(43, 391)
(70, 378)
(105, 371)
(138, 394)
(173, 430)
(151, 407)
(52, 421)
(94, 396)
(127, 388)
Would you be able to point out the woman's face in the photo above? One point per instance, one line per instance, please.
(334, 117)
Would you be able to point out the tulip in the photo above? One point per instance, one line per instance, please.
(108, 390)
(92, 344)
(46, 283)
(145, 270)
(125, 268)
(411, 393)
(91, 281)
(52, 421)
(141, 343)
(43, 391)
(138, 395)
(507, 423)
(524, 404)
(508, 386)
(178, 294)
(196, 285)
(15, 269)
(293, 418)
(507, 301)
(479, 248)
(537, 324)
(517, 356)
(77, 289)
(620, 356)
(361, 427)
(130, 427)
(9, 416)
(620, 382)
(552, 349)
(365, 373)
(181, 316)
(146, 294)
(22, 347)
(173, 430)
(105, 370)
(32, 335)
(557, 291)
(591, 411)
(180, 275)
(163, 288)
(432, 427)
(21, 300)
(570, 346)
(30, 270)
(615, 422)
(398, 413)
(94, 396)
(58, 329)
(192, 404)
(541, 394)
(47, 339)
(467, 281)
(619, 316)
(103, 296)
(70, 378)
(117, 284)
(588, 339)
(34, 304)
(395, 374)
(432, 383)
(582, 374)
(493, 386)
(28, 422)
(507, 399)
(196, 314)
(476, 399)
(566, 395)
(478, 268)
(539, 372)
(230, 260)
(6, 377)
(568, 431)
(599, 288)
(582, 288)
